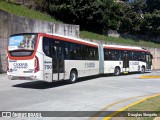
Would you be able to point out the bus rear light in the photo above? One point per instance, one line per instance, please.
(7, 64)
(36, 64)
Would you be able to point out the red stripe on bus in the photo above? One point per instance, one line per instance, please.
(68, 40)
(49, 36)
(129, 49)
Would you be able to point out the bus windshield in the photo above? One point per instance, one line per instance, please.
(22, 44)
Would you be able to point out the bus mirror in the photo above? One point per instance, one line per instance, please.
(151, 56)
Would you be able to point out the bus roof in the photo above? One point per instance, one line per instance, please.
(68, 38)
(121, 47)
(81, 41)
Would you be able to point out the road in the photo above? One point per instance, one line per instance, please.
(104, 93)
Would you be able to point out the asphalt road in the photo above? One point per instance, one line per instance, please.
(105, 93)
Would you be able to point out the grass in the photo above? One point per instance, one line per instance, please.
(23, 11)
(151, 104)
(90, 35)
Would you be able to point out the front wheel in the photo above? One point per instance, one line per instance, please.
(73, 76)
(117, 71)
(143, 69)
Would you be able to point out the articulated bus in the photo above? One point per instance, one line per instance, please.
(52, 57)
(123, 59)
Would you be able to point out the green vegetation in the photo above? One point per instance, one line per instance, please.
(90, 35)
(23, 11)
(138, 17)
(151, 104)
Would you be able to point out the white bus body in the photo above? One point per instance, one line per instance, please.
(39, 63)
(51, 58)
(124, 59)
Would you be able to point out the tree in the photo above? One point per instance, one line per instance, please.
(151, 24)
(152, 5)
(138, 6)
(92, 15)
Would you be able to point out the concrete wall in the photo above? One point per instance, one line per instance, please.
(11, 24)
(156, 57)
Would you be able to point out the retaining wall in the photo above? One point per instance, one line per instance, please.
(12, 24)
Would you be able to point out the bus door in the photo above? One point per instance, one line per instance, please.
(125, 61)
(57, 61)
(149, 58)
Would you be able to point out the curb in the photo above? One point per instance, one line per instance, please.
(3, 74)
(150, 76)
(130, 105)
(94, 117)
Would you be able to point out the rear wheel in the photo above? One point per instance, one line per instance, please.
(73, 76)
(117, 71)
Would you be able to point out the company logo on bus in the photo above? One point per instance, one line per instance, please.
(89, 64)
(135, 63)
(20, 65)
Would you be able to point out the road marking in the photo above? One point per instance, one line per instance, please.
(130, 105)
(150, 76)
(95, 116)
(125, 72)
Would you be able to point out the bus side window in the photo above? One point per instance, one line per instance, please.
(142, 56)
(130, 55)
(66, 51)
(91, 53)
(83, 48)
(135, 56)
(78, 52)
(120, 55)
(116, 55)
(54, 49)
(96, 54)
(46, 47)
(72, 51)
(107, 55)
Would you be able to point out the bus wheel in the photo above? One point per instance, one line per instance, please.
(117, 71)
(73, 76)
(142, 69)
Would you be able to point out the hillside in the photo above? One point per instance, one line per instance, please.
(23, 11)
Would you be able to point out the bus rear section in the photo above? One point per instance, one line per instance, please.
(23, 60)
(118, 59)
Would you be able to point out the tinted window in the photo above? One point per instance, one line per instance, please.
(21, 53)
(72, 51)
(112, 54)
(46, 47)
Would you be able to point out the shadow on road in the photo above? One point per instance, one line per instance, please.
(40, 85)
(46, 85)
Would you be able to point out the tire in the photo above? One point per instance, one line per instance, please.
(73, 77)
(143, 69)
(117, 71)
